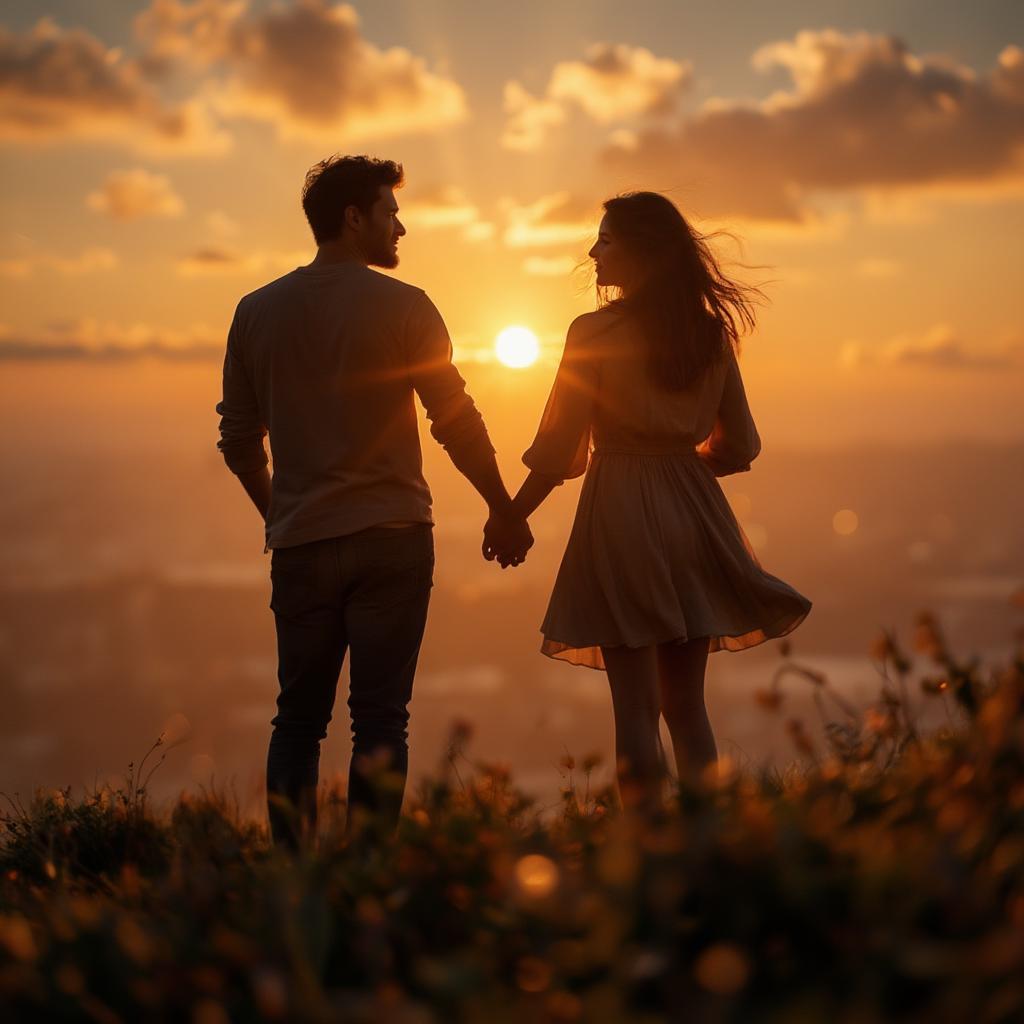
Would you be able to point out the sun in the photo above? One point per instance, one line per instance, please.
(517, 347)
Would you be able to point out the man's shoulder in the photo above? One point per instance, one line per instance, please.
(379, 290)
(268, 291)
(392, 289)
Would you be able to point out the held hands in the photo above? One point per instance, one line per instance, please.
(507, 538)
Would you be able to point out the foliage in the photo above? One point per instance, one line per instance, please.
(879, 878)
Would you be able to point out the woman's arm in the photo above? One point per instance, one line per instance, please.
(536, 487)
(733, 442)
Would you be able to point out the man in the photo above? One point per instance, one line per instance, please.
(326, 359)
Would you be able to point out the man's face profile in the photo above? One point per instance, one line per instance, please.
(382, 230)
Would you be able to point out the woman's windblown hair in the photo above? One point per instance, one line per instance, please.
(686, 307)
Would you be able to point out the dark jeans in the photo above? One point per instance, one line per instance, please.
(366, 593)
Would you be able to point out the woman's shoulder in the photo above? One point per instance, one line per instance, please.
(595, 323)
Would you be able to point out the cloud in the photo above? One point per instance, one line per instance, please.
(938, 348)
(90, 340)
(445, 207)
(94, 259)
(66, 85)
(216, 260)
(549, 266)
(131, 195)
(619, 81)
(529, 118)
(612, 83)
(863, 112)
(557, 219)
(306, 68)
(221, 225)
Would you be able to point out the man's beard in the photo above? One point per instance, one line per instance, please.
(386, 258)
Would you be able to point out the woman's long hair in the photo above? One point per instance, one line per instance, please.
(687, 309)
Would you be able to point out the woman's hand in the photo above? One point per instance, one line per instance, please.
(507, 538)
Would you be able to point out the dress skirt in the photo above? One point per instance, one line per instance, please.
(656, 555)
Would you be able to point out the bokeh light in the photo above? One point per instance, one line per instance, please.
(845, 522)
(536, 875)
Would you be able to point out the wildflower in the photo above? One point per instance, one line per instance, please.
(883, 648)
(798, 734)
(209, 1011)
(69, 979)
(928, 639)
(16, 936)
(533, 974)
(563, 1006)
(770, 700)
(134, 941)
(722, 968)
(880, 722)
(536, 875)
(270, 992)
(460, 732)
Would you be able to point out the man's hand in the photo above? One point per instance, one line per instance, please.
(507, 539)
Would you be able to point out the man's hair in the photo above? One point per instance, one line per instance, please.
(338, 182)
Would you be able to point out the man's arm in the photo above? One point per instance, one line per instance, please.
(456, 423)
(257, 486)
(241, 427)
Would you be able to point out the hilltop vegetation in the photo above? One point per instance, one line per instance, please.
(879, 878)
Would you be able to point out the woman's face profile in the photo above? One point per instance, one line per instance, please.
(611, 261)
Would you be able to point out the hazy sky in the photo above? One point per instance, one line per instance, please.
(869, 153)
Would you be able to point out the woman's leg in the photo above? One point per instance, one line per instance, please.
(633, 678)
(681, 683)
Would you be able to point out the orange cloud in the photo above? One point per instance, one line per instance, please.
(863, 113)
(305, 68)
(558, 219)
(614, 82)
(938, 348)
(88, 339)
(66, 85)
(131, 195)
(88, 261)
(529, 118)
(445, 207)
(214, 260)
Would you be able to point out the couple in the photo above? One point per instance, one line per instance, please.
(656, 574)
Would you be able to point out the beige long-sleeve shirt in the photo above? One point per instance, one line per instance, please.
(326, 361)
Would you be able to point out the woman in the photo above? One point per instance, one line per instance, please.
(657, 572)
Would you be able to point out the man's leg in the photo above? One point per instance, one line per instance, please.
(311, 644)
(385, 616)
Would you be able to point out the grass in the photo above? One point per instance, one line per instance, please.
(878, 878)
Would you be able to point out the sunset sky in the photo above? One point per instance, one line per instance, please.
(869, 154)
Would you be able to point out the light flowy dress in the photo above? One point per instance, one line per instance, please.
(655, 553)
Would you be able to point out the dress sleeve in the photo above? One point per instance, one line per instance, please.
(733, 442)
(562, 446)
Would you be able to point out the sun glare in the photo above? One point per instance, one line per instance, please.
(517, 347)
